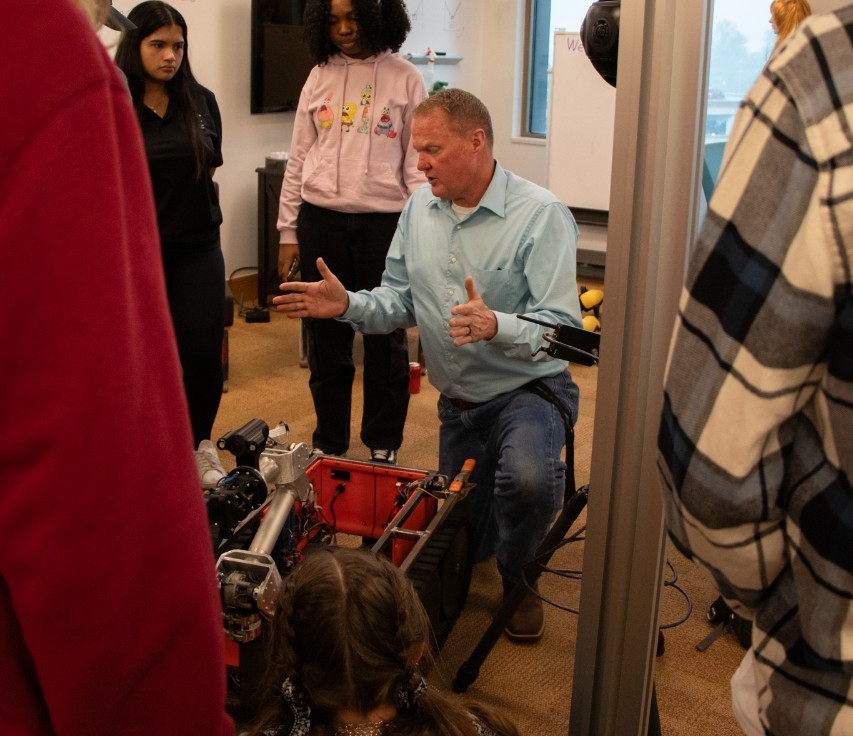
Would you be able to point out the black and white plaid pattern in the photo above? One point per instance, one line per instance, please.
(756, 437)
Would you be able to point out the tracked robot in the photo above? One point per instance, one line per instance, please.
(281, 499)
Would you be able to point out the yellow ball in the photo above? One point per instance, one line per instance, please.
(591, 323)
(591, 298)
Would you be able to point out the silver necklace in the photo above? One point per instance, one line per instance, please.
(156, 108)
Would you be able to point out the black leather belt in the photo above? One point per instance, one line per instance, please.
(463, 405)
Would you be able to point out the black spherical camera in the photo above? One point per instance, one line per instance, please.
(600, 37)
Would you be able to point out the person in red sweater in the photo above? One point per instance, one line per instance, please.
(109, 616)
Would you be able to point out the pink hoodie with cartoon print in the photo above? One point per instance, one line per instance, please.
(350, 149)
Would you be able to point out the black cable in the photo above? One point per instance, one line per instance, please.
(577, 575)
(567, 574)
(339, 489)
(682, 592)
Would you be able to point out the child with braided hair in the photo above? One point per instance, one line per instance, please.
(349, 651)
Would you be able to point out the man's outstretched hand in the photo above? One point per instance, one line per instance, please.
(324, 299)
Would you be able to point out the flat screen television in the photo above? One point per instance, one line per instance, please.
(280, 59)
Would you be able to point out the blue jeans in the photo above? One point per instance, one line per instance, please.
(516, 439)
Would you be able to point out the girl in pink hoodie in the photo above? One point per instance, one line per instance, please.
(349, 173)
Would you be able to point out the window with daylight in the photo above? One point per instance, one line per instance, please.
(741, 41)
(543, 17)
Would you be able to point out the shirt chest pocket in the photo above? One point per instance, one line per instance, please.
(501, 289)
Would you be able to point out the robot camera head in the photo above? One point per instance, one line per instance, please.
(600, 37)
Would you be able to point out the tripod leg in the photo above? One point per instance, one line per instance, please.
(470, 669)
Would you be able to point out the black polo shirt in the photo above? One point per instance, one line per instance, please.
(187, 206)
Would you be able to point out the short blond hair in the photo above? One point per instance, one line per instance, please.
(463, 110)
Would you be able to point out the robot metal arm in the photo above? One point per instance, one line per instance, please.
(249, 579)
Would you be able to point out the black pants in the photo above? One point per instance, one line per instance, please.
(354, 247)
(195, 285)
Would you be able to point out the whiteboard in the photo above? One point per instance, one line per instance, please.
(580, 127)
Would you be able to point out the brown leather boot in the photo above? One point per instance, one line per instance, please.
(528, 621)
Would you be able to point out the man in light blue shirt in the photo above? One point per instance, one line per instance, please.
(473, 249)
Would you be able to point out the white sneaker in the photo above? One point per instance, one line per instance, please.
(384, 456)
(210, 470)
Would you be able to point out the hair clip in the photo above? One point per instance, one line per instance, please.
(295, 698)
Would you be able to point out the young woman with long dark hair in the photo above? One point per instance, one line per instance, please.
(182, 130)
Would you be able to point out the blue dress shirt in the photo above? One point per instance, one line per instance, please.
(520, 246)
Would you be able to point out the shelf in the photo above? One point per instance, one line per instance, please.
(423, 59)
